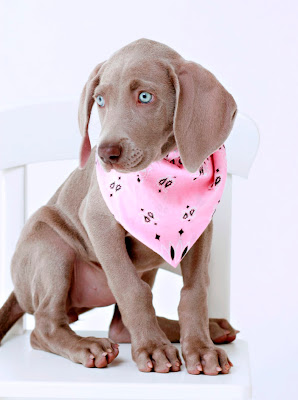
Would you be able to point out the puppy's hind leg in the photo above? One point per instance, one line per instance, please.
(53, 263)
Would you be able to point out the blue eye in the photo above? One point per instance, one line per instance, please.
(145, 97)
(100, 101)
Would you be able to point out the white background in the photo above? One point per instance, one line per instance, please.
(48, 49)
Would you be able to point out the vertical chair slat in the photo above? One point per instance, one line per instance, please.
(12, 221)
(220, 261)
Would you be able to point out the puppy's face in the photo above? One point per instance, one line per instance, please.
(150, 101)
(136, 103)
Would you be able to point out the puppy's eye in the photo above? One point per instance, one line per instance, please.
(145, 97)
(100, 101)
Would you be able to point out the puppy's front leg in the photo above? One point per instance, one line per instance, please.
(198, 350)
(151, 349)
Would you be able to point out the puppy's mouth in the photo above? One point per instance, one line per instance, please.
(140, 163)
(128, 168)
(132, 159)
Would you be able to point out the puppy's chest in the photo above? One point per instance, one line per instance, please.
(143, 257)
(89, 286)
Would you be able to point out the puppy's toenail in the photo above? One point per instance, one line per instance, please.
(109, 350)
(149, 363)
(199, 368)
(168, 365)
(218, 369)
(104, 353)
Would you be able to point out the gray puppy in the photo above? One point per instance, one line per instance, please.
(73, 255)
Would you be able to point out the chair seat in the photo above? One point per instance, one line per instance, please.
(25, 372)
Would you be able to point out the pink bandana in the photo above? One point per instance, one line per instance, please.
(164, 206)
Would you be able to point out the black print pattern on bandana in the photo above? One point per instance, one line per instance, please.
(172, 253)
(217, 180)
(201, 171)
(148, 217)
(184, 252)
(165, 183)
(175, 161)
(189, 213)
(115, 187)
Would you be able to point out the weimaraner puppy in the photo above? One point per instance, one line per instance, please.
(73, 255)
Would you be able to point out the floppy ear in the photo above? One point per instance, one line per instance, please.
(204, 113)
(85, 107)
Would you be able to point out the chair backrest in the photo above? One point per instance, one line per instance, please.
(49, 132)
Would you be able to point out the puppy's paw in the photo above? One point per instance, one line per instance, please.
(157, 357)
(95, 352)
(221, 331)
(208, 360)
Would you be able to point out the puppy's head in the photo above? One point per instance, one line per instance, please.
(151, 101)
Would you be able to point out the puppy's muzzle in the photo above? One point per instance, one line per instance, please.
(110, 153)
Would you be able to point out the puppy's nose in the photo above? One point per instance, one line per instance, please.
(110, 153)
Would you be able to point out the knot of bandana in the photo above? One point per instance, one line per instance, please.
(164, 206)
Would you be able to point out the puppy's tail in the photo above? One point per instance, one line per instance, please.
(10, 312)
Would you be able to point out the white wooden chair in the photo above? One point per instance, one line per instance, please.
(48, 132)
